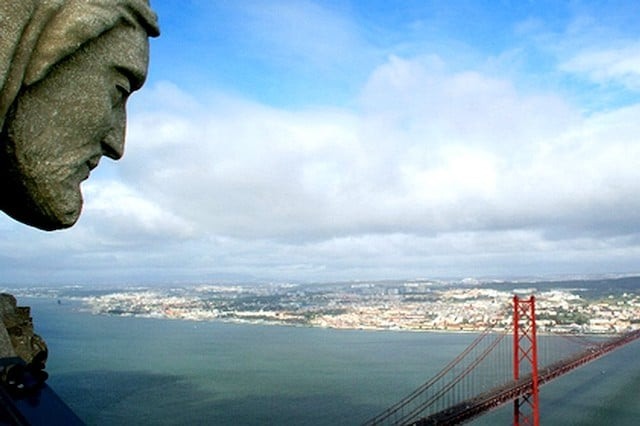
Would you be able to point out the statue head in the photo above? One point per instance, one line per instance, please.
(67, 68)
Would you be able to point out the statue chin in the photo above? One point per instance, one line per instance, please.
(48, 213)
(43, 220)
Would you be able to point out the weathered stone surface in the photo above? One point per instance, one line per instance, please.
(67, 68)
(6, 347)
(17, 337)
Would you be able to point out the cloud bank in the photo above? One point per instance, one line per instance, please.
(433, 168)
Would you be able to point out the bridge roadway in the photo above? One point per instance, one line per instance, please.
(495, 397)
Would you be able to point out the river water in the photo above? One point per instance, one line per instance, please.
(123, 370)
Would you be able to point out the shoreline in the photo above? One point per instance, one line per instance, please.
(464, 310)
(363, 328)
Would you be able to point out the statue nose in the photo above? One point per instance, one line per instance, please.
(113, 144)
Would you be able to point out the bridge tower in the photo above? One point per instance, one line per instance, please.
(525, 360)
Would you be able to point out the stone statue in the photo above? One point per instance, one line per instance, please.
(66, 70)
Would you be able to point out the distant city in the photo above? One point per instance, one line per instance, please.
(573, 306)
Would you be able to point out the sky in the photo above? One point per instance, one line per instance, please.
(315, 141)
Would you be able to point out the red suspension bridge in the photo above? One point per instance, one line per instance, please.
(495, 370)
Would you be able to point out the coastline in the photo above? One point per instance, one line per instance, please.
(572, 308)
(85, 308)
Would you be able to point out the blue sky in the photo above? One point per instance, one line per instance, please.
(343, 140)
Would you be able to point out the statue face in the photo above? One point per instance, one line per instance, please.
(58, 129)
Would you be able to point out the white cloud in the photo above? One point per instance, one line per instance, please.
(433, 172)
(125, 215)
(426, 152)
(618, 65)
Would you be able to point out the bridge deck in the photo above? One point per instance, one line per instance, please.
(498, 396)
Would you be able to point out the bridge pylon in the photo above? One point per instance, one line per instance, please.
(526, 410)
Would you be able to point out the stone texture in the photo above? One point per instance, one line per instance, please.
(66, 70)
(17, 337)
(6, 347)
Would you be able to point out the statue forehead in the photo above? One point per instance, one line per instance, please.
(124, 49)
(36, 36)
(74, 22)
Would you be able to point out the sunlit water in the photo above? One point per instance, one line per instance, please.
(114, 370)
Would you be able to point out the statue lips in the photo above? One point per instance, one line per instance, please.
(94, 161)
(91, 164)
